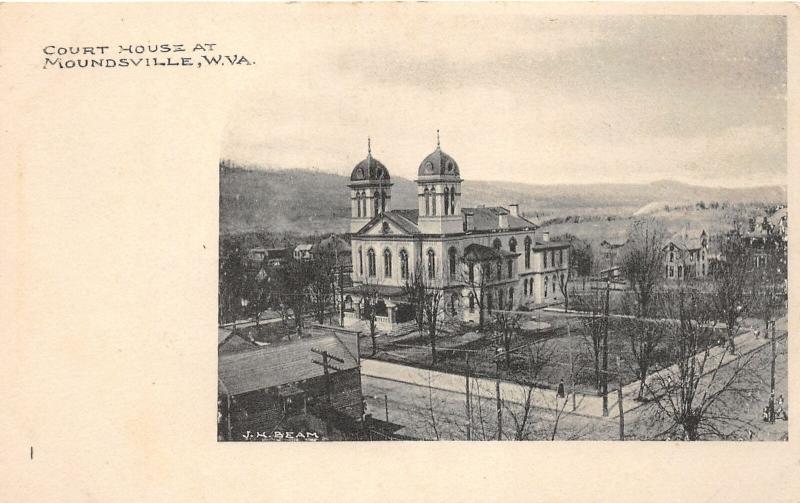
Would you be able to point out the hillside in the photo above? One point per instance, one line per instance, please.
(318, 202)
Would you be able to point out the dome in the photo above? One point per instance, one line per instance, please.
(438, 163)
(370, 169)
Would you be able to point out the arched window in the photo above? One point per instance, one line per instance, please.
(446, 200)
(453, 256)
(545, 259)
(371, 262)
(360, 262)
(452, 200)
(472, 273)
(500, 304)
(363, 204)
(671, 256)
(471, 302)
(512, 245)
(511, 298)
(546, 280)
(433, 201)
(527, 252)
(510, 264)
(497, 244)
(387, 263)
(453, 303)
(431, 264)
(555, 280)
(383, 201)
(499, 270)
(403, 264)
(377, 202)
(427, 202)
(358, 204)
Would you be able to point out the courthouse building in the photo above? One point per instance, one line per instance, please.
(482, 256)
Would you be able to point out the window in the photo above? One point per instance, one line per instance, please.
(452, 200)
(446, 200)
(431, 264)
(671, 272)
(512, 244)
(487, 268)
(555, 280)
(527, 252)
(387, 263)
(525, 287)
(496, 244)
(377, 202)
(358, 204)
(471, 302)
(510, 268)
(500, 304)
(371, 262)
(666, 271)
(545, 286)
(453, 304)
(453, 261)
(704, 269)
(671, 257)
(363, 204)
(545, 259)
(680, 271)
(427, 202)
(403, 264)
(472, 273)
(510, 298)
(499, 270)
(433, 201)
(383, 201)
(560, 257)
(360, 262)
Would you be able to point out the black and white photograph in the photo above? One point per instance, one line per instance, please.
(504, 227)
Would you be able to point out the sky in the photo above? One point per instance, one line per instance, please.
(521, 98)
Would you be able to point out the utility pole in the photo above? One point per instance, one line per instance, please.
(619, 401)
(386, 404)
(467, 404)
(499, 411)
(571, 371)
(328, 384)
(772, 366)
(604, 375)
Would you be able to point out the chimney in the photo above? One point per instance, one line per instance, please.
(546, 236)
(467, 222)
(514, 209)
(502, 220)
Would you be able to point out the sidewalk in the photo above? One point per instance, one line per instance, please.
(587, 405)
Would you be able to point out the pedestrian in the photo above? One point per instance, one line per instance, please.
(560, 393)
(765, 414)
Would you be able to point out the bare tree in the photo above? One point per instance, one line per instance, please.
(645, 337)
(643, 260)
(321, 286)
(369, 300)
(425, 295)
(690, 397)
(564, 282)
(474, 275)
(730, 284)
(505, 325)
(594, 328)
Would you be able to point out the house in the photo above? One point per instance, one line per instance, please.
(284, 386)
(686, 256)
(302, 252)
(611, 255)
(441, 240)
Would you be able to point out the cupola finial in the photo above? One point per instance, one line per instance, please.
(438, 145)
(369, 147)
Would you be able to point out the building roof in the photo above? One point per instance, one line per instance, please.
(285, 362)
(439, 164)
(370, 169)
(488, 219)
(303, 247)
(686, 241)
(479, 253)
(547, 245)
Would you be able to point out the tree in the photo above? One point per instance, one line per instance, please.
(321, 285)
(563, 284)
(594, 328)
(643, 260)
(690, 397)
(474, 276)
(505, 325)
(295, 279)
(730, 283)
(369, 299)
(645, 337)
(425, 296)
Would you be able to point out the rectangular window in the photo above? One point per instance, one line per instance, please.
(510, 268)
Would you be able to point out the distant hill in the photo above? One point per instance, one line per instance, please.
(319, 202)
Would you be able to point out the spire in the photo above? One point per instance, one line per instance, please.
(438, 144)
(369, 147)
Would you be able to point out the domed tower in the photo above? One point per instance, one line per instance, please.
(370, 190)
(439, 193)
